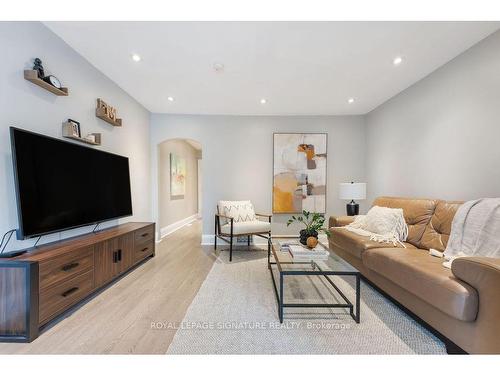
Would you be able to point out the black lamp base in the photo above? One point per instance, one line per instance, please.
(352, 208)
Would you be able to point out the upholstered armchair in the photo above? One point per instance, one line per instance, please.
(238, 218)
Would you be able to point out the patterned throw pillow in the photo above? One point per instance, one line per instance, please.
(240, 211)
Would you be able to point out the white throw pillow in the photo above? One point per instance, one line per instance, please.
(382, 220)
(381, 224)
(240, 211)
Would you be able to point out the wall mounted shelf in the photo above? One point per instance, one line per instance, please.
(99, 112)
(32, 76)
(68, 133)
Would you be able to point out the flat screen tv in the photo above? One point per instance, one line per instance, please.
(62, 185)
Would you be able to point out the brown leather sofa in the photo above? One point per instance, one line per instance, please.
(461, 304)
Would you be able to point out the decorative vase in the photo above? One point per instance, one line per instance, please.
(304, 235)
(311, 242)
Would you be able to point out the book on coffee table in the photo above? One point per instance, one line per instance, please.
(285, 245)
(302, 253)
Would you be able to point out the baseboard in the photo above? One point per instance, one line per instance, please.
(169, 229)
(208, 239)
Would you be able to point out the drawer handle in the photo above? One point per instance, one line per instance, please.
(115, 256)
(70, 291)
(119, 255)
(146, 248)
(70, 266)
(144, 234)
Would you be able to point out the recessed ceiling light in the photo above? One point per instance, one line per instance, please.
(263, 101)
(136, 57)
(397, 60)
(170, 98)
(219, 67)
(350, 100)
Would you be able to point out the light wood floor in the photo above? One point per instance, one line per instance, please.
(118, 319)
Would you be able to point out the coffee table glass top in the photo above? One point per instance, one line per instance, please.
(287, 263)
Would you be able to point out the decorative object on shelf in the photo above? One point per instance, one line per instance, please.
(177, 176)
(351, 191)
(32, 76)
(313, 222)
(311, 242)
(107, 113)
(76, 128)
(52, 80)
(37, 66)
(299, 172)
(70, 131)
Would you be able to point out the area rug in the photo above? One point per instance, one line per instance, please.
(235, 312)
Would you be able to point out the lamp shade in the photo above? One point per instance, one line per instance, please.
(351, 190)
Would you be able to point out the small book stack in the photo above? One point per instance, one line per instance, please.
(285, 245)
(300, 253)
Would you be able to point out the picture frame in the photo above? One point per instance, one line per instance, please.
(300, 172)
(77, 132)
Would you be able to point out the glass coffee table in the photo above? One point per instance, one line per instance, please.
(284, 265)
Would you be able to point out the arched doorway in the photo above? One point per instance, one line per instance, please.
(179, 184)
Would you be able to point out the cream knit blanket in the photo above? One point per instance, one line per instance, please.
(475, 230)
(381, 224)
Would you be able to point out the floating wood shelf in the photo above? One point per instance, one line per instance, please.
(68, 133)
(83, 140)
(32, 76)
(99, 112)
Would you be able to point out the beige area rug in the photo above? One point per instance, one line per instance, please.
(235, 312)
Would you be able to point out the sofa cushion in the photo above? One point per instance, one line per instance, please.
(425, 277)
(417, 213)
(356, 244)
(437, 232)
(244, 227)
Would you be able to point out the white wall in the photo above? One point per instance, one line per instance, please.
(27, 106)
(238, 156)
(440, 138)
(175, 209)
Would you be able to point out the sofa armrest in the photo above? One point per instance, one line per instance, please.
(482, 273)
(340, 221)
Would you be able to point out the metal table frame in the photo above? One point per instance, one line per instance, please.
(316, 271)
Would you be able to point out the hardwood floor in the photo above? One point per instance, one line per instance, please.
(118, 319)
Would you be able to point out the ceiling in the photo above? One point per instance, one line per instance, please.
(300, 68)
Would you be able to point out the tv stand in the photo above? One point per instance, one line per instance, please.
(46, 281)
(12, 254)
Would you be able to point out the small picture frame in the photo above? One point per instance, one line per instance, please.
(76, 128)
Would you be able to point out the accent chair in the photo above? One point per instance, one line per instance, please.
(237, 219)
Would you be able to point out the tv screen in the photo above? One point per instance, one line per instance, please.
(62, 185)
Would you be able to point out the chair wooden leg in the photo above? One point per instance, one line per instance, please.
(231, 249)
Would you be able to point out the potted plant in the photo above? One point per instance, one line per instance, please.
(313, 222)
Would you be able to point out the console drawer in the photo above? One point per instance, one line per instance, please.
(144, 234)
(143, 250)
(60, 297)
(62, 268)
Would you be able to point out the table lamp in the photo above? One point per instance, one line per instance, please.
(351, 191)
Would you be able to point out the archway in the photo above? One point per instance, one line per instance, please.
(179, 184)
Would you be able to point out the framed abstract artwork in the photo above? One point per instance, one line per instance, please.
(299, 172)
(177, 176)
